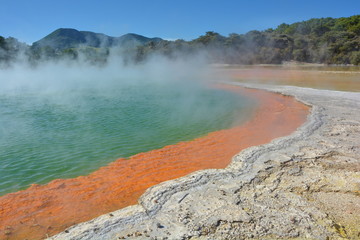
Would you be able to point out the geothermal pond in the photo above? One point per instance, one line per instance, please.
(62, 132)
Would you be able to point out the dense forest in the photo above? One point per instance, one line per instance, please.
(322, 40)
(318, 40)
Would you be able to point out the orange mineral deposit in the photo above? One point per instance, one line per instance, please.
(44, 210)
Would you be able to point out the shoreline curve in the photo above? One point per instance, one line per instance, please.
(302, 186)
(51, 208)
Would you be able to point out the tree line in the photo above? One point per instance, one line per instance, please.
(318, 40)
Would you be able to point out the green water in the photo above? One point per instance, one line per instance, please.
(64, 133)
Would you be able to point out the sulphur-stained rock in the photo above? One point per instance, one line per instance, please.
(303, 186)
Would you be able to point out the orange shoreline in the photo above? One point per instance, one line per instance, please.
(44, 210)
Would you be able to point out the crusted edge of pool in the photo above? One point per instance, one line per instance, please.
(253, 197)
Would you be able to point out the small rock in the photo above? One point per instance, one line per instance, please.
(295, 171)
(138, 234)
(159, 225)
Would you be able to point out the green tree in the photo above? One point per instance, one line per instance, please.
(355, 58)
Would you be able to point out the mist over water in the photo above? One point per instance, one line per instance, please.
(62, 120)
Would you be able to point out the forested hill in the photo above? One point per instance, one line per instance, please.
(318, 40)
(65, 38)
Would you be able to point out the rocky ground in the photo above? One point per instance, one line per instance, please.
(306, 185)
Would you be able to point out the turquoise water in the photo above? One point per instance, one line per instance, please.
(66, 132)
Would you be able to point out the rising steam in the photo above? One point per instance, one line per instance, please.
(117, 107)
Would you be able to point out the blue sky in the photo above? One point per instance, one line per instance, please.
(29, 21)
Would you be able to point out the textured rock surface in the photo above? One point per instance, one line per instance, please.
(306, 185)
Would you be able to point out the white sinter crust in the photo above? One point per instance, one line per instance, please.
(305, 185)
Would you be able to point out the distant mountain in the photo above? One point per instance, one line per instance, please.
(133, 40)
(65, 38)
(317, 40)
